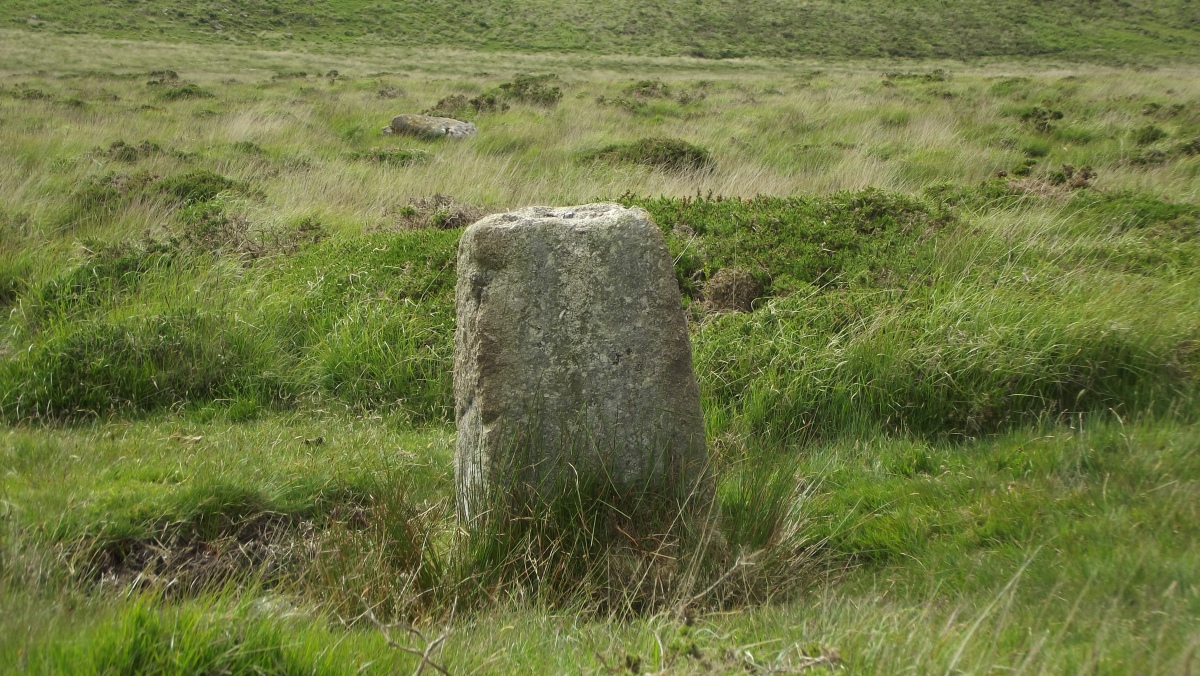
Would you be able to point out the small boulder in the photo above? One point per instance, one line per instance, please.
(430, 127)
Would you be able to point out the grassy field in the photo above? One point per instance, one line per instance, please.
(957, 432)
(1109, 31)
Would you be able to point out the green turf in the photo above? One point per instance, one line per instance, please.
(1078, 30)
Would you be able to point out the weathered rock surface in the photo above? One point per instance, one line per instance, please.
(571, 355)
(427, 126)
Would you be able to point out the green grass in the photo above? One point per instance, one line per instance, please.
(956, 432)
(1058, 547)
(1076, 30)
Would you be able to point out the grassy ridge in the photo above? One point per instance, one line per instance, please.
(882, 318)
(1077, 30)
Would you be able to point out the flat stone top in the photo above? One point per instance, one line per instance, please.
(412, 118)
(579, 215)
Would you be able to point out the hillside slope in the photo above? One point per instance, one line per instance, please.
(1092, 30)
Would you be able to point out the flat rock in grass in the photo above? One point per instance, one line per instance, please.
(429, 127)
(571, 357)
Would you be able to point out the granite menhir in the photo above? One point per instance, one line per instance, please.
(571, 357)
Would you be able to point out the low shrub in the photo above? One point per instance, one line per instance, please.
(248, 147)
(1073, 178)
(162, 77)
(1189, 148)
(104, 365)
(451, 106)
(106, 274)
(1041, 119)
(1035, 148)
(441, 212)
(1149, 158)
(124, 152)
(199, 185)
(648, 89)
(1144, 136)
(460, 107)
(935, 75)
(846, 239)
(662, 153)
(184, 92)
(533, 89)
(100, 197)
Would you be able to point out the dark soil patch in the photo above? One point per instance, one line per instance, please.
(732, 290)
(261, 545)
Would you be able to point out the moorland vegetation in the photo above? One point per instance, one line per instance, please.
(955, 431)
(1111, 31)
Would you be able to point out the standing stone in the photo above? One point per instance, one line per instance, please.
(571, 356)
